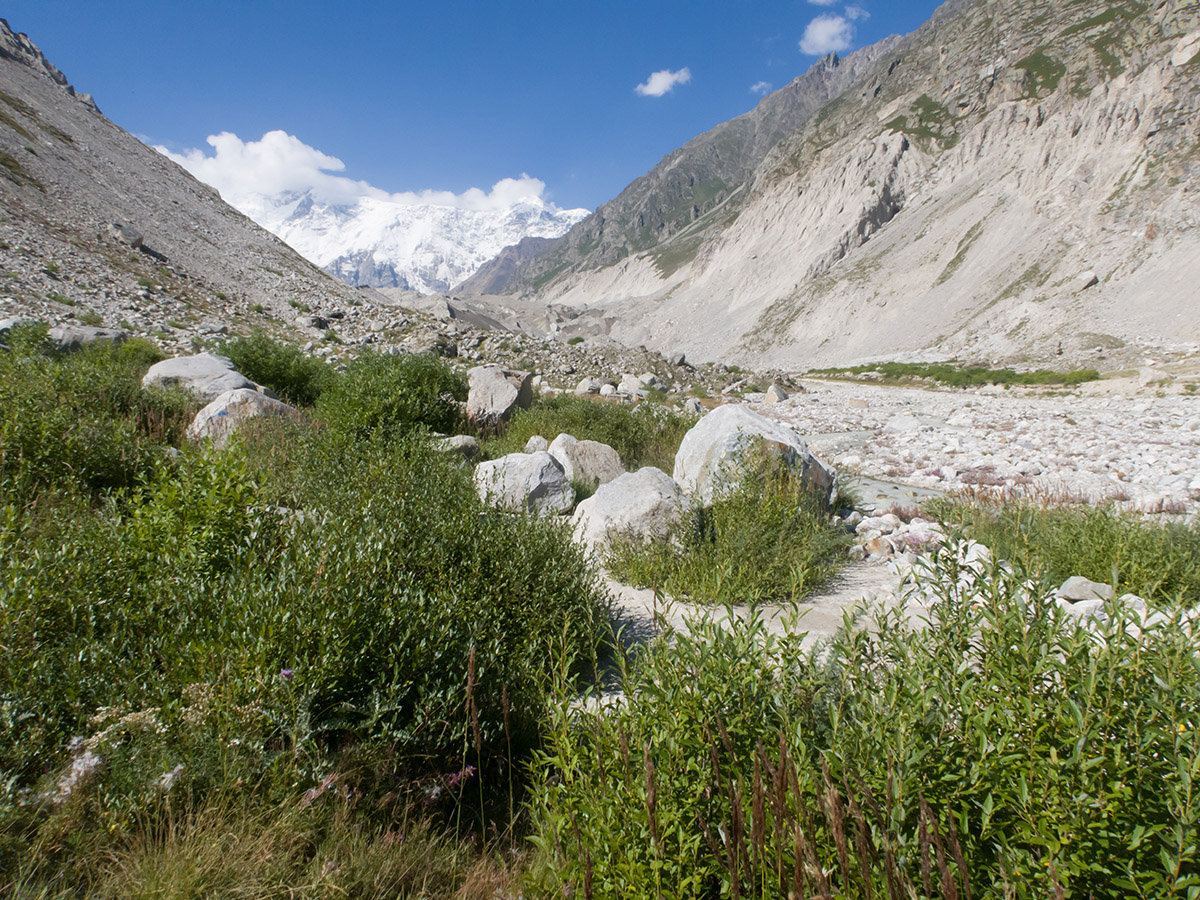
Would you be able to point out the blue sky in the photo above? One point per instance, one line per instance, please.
(444, 95)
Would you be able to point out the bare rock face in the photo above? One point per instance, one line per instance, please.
(588, 463)
(494, 393)
(205, 374)
(712, 450)
(647, 503)
(218, 421)
(533, 482)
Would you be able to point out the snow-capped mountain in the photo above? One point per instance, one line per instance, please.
(384, 243)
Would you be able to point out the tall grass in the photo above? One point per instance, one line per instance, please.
(765, 540)
(999, 752)
(1054, 542)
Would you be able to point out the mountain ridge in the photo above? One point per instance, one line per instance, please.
(68, 175)
(1026, 143)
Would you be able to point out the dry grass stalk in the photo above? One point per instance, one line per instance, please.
(471, 707)
(949, 888)
(652, 802)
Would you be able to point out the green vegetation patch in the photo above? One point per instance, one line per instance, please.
(928, 121)
(765, 540)
(1042, 74)
(306, 638)
(295, 376)
(961, 376)
(14, 172)
(1000, 752)
(960, 255)
(1155, 561)
(1120, 12)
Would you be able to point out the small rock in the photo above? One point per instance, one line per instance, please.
(775, 394)
(588, 463)
(71, 338)
(205, 374)
(1083, 281)
(462, 444)
(537, 444)
(126, 234)
(1077, 588)
(223, 416)
(495, 393)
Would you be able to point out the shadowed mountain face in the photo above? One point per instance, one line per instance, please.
(67, 174)
(1014, 181)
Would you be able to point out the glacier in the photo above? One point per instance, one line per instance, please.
(379, 242)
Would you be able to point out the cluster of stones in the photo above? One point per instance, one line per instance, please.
(1142, 453)
(648, 502)
(233, 399)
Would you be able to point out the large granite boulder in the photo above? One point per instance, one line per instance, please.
(494, 393)
(206, 375)
(646, 503)
(719, 443)
(529, 481)
(72, 338)
(587, 463)
(223, 416)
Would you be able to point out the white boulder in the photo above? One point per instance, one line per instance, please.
(590, 463)
(494, 393)
(712, 450)
(206, 375)
(525, 481)
(646, 503)
(228, 412)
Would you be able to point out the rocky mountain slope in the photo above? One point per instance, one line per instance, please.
(1014, 181)
(180, 259)
(426, 248)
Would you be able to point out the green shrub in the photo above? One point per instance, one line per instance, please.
(1154, 561)
(764, 541)
(401, 608)
(957, 375)
(284, 368)
(1001, 748)
(643, 435)
(394, 394)
(82, 420)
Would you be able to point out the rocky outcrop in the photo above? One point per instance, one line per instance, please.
(711, 454)
(70, 338)
(645, 504)
(944, 206)
(533, 482)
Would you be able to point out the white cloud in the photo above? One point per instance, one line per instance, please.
(827, 34)
(663, 82)
(761, 88)
(280, 162)
(854, 13)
